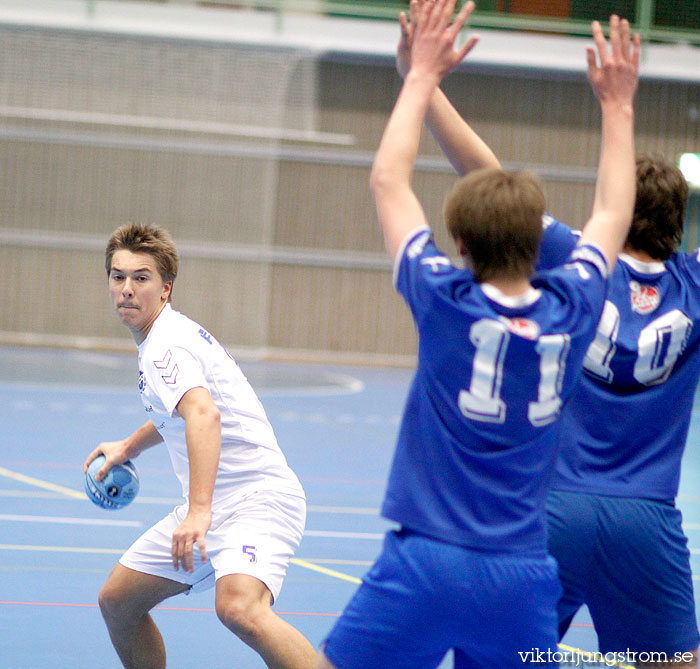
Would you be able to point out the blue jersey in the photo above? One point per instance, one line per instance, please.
(480, 429)
(625, 428)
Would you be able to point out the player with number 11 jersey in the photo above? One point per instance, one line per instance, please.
(482, 412)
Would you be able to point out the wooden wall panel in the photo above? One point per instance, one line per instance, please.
(46, 291)
(223, 196)
(92, 190)
(50, 291)
(339, 311)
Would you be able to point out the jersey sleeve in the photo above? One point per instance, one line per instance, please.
(172, 373)
(558, 241)
(587, 272)
(421, 270)
(691, 266)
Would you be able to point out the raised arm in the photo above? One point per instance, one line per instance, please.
(464, 148)
(613, 77)
(433, 55)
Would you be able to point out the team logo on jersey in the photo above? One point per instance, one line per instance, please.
(168, 367)
(523, 327)
(645, 298)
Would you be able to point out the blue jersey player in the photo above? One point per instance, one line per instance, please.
(624, 434)
(613, 526)
(498, 357)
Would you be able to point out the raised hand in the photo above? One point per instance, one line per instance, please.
(614, 73)
(433, 36)
(403, 52)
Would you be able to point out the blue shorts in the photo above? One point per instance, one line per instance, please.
(627, 559)
(424, 597)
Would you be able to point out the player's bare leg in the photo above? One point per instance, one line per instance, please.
(682, 664)
(243, 604)
(125, 601)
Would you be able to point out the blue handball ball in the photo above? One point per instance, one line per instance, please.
(117, 489)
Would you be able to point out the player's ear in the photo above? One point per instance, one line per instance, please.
(167, 290)
(461, 248)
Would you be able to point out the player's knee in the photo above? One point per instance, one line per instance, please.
(117, 607)
(111, 601)
(244, 617)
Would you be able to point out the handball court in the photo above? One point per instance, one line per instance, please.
(336, 426)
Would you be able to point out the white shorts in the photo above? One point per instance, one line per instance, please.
(255, 535)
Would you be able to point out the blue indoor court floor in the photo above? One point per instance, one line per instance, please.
(336, 426)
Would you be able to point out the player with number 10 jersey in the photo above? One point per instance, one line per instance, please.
(641, 373)
(623, 437)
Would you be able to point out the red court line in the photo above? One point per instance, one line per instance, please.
(165, 608)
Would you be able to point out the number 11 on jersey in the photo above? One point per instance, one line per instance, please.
(483, 402)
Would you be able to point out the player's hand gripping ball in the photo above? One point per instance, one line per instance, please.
(115, 490)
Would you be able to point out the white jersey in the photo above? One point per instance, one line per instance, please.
(178, 355)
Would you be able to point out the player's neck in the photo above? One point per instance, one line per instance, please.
(511, 286)
(642, 256)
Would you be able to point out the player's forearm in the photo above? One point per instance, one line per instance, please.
(145, 437)
(616, 184)
(462, 146)
(393, 163)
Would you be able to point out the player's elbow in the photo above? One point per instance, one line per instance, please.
(208, 414)
(381, 181)
(213, 415)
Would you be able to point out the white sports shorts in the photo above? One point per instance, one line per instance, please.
(254, 535)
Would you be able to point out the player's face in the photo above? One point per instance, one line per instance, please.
(137, 291)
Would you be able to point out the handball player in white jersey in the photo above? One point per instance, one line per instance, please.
(244, 507)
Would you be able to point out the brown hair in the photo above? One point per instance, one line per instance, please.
(659, 209)
(497, 216)
(149, 239)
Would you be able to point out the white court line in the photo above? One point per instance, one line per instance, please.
(141, 499)
(71, 521)
(344, 535)
(60, 549)
(337, 561)
(309, 564)
(360, 510)
(375, 536)
(40, 494)
(119, 551)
